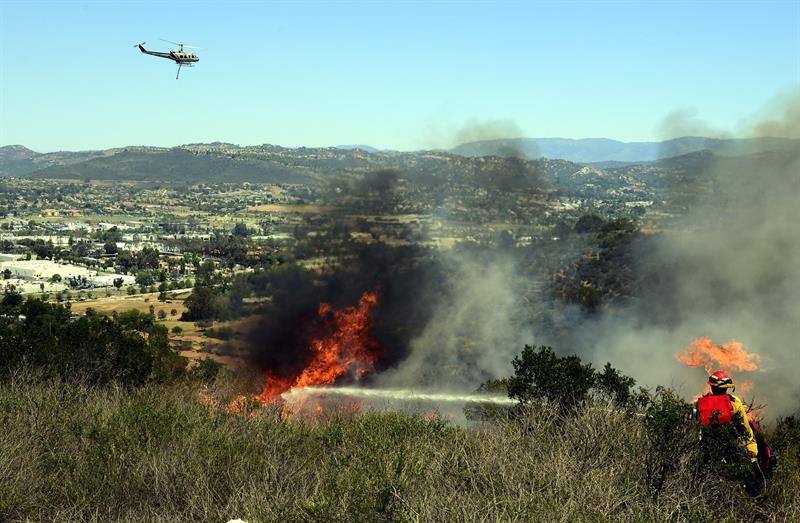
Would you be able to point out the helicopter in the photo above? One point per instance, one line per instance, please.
(180, 57)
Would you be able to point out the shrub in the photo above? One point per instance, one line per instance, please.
(128, 348)
(541, 375)
(205, 370)
(670, 434)
(163, 453)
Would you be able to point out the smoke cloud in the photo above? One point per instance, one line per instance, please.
(476, 131)
(734, 264)
(783, 118)
(686, 122)
(474, 331)
(729, 269)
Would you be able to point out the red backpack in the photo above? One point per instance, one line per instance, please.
(715, 409)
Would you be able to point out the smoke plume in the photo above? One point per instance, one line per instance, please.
(476, 131)
(783, 117)
(734, 267)
(686, 122)
(474, 331)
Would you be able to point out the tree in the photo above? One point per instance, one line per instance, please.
(539, 374)
(240, 289)
(240, 230)
(125, 261)
(202, 304)
(148, 258)
(128, 348)
(205, 273)
(7, 274)
(588, 223)
(145, 278)
(206, 370)
(118, 283)
(55, 278)
(12, 299)
(110, 247)
(162, 315)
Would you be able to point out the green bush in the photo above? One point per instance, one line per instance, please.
(541, 375)
(205, 370)
(670, 436)
(128, 348)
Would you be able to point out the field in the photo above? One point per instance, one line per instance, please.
(173, 453)
(191, 341)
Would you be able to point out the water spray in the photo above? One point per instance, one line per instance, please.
(395, 394)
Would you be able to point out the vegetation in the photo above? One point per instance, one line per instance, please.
(108, 429)
(78, 452)
(129, 349)
(541, 375)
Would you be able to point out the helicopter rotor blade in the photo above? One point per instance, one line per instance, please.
(137, 45)
(193, 47)
(169, 41)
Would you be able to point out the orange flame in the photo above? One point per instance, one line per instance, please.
(347, 349)
(726, 356)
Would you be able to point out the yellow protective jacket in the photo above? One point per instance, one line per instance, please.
(750, 437)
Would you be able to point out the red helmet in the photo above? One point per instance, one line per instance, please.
(720, 380)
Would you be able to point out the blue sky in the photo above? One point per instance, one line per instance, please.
(404, 75)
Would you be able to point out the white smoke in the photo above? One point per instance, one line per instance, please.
(472, 335)
(736, 259)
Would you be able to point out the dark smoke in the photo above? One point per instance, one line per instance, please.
(405, 278)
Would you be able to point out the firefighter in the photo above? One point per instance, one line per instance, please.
(721, 407)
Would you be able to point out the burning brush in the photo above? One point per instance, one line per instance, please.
(342, 350)
(346, 349)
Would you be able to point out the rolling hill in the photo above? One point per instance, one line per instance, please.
(594, 150)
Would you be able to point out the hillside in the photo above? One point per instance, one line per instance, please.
(166, 453)
(217, 163)
(18, 160)
(679, 179)
(593, 150)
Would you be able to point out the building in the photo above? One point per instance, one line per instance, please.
(44, 270)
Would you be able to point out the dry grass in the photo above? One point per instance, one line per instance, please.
(73, 453)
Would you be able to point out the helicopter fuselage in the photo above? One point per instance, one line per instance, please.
(179, 57)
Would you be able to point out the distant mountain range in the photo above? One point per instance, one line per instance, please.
(224, 161)
(679, 177)
(604, 150)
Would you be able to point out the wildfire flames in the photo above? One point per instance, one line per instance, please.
(726, 356)
(345, 349)
(730, 356)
